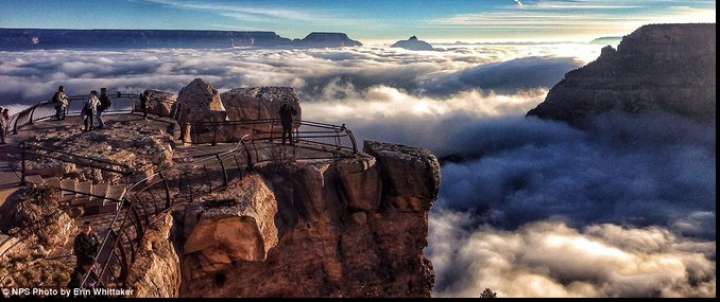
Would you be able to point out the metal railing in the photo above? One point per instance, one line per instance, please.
(312, 133)
(46, 110)
(152, 196)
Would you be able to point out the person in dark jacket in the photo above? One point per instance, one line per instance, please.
(104, 105)
(144, 98)
(78, 276)
(86, 244)
(286, 119)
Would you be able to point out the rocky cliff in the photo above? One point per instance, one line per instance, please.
(668, 67)
(344, 228)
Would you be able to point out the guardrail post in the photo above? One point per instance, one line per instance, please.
(222, 166)
(22, 168)
(32, 112)
(168, 200)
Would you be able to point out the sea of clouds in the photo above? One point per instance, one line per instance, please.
(527, 207)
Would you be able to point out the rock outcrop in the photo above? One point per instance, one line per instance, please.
(198, 102)
(345, 228)
(161, 103)
(155, 273)
(413, 44)
(140, 147)
(668, 67)
(257, 104)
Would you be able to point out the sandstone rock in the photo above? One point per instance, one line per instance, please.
(155, 273)
(161, 103)
(257, 104)
(668, 67)
(241, 227)
(134, 144)
(361, 183)
(198, 102)
(411, 176)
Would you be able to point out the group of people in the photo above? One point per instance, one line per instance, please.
(4, 124)
(93, 107)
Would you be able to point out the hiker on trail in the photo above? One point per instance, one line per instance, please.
(286, 119)
(144, 98)
(90, 109)
(61, 103)
(86, 244)
(4, 123)
(104, 105)
(78, 276)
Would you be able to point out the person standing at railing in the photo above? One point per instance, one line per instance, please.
(286, 119)
(3, 124)
(61, 103)
(144, 98)
(104, 105)
(90, 108)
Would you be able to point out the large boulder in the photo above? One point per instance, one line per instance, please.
(199, 102)
(411, 176)
(160, 103)
(237, 224)
(257, 104)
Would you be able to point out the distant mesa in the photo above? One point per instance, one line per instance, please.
(29, 39)
(413, 44)
(322, 40)
(659, 67)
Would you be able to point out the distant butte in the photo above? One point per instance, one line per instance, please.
(413, 44)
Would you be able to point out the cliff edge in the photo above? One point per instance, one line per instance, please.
(666, 67)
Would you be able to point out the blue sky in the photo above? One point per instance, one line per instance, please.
(432, 20)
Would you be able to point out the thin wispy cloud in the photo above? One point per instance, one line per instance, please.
(246, 12)
(580, 17)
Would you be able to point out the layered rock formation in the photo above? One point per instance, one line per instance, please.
(668, 67)
(351, 227)
(413, 44)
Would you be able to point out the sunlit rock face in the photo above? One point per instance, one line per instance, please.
(666, 67)
(198, 102)
(345, 228)
(257, 104)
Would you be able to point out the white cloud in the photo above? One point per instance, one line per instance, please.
(550, 259)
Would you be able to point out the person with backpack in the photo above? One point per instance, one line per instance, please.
(104, 105)
(90, 109)
(61, 103)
